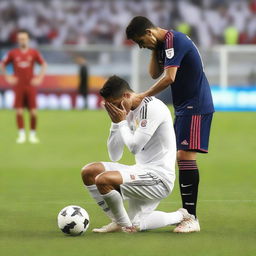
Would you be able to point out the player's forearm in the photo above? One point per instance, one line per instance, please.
(42, 70)
(4, 71)
(159, 86)
(115, 144)
(155, 69)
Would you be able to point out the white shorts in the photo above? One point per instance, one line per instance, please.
(143, 187)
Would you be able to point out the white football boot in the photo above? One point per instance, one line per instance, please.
(111, 227)
(33, 139)
(21, 139)
(189, 223)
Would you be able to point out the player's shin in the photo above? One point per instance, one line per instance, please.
(115, 202)
(20, 122)
(189, 180)
(33, 122)
(93, 190)
(159, 219)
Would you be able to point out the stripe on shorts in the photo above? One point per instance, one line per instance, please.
(147, 179)
(195, 130)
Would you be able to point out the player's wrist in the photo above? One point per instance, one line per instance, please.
(116, 126)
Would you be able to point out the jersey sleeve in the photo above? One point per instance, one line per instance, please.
(115, 143)
(38, 57)
(8, 58)
(175, 49)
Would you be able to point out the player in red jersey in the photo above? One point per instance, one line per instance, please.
(25, 82)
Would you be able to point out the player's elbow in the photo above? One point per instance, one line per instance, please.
(155, 75)
(115, 157)
(45, 65)
(134, 149)
(169, 79)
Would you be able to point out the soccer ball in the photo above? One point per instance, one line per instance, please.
(73, 220)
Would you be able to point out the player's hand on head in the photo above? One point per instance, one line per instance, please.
(37, 80)
(116, 114)
(12, 80)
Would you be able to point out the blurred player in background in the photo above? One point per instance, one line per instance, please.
(176, 57)
(25, 82)
(147, 131)
(83, 78)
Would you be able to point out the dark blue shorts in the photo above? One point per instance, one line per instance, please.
(193, 132)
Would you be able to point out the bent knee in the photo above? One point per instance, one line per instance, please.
(103, 179)
(87, 170)
(186, 155)
(33, 112)
(19, 111)
(90, 171)
(112, 178)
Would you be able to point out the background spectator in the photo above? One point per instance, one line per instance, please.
(59, 22)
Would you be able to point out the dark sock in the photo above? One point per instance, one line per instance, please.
(20, 121)
(32, 122)
(189, 180)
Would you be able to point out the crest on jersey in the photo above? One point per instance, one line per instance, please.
(169, 53)
(143, 123)
(132, 176)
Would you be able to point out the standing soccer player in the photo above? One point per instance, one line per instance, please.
(176, 57)
(24, 81)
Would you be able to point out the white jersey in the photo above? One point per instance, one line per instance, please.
(149, 134)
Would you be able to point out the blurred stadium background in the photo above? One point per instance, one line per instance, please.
(37, 181)
(224, 30)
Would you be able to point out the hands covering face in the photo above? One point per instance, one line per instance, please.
(116, 114)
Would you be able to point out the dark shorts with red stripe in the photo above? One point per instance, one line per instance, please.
(193, 132)
(25, 97)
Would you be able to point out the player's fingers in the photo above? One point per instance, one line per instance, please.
(115, 108)
(110, 109)
(122, 105)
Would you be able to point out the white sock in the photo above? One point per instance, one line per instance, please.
(32, 132)
(159, 219)
(115, 202)
(94, 192)
(21, 132)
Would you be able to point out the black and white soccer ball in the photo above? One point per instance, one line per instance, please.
(73, 220)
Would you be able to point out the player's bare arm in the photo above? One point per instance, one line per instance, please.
(156, 69)
(37, 80)
(167, 79)
(10, 79)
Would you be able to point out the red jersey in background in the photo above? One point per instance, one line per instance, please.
(23, 64)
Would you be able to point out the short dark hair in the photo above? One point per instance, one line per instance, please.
(114, 87)
(138, 26)
(24, 31)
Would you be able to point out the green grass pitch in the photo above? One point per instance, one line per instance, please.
(37, 181)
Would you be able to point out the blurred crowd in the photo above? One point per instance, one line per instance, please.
(58, 22)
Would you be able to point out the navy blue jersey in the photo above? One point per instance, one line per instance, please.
(190, 91)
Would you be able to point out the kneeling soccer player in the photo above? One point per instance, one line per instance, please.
(146, 129)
